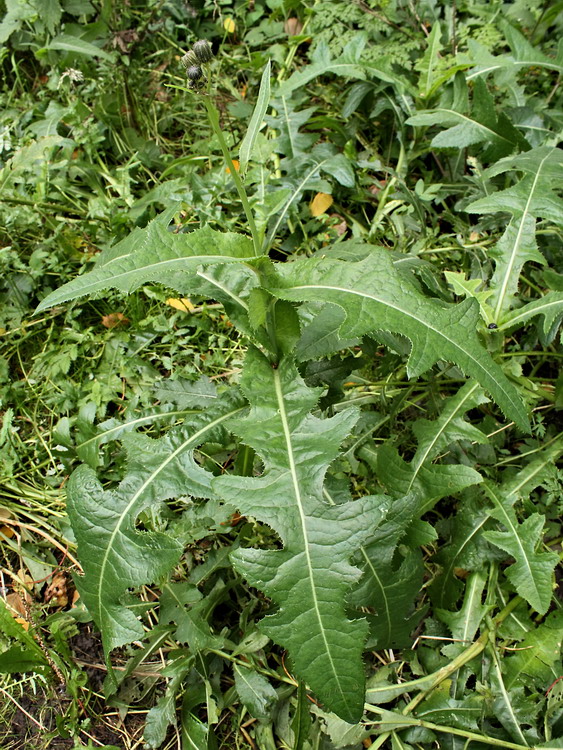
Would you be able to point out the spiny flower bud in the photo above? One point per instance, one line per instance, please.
(189, 59)
(194, 73)
(202, 50)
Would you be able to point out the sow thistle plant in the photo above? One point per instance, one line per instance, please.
(335, 580)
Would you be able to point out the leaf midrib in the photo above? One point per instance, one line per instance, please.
(480, 125)
(135, 423)
(309, 73)
(516, 245)
(420, 461)
(192, 439)
(505, 696)
(224, 289)
(528, 477)
(474, 597)
(506, 63)
(381, 587)
(240, 673)
(432, 50)
(299, 502)
(509, 524)
(474, 531)
(200, 259)
(291, 198)
(113, 280)
(418, 320)
(533, 312)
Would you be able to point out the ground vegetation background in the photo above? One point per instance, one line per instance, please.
(428, 131)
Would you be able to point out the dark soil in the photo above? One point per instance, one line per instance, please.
(34, 724)
(24, 733)
(87, 647)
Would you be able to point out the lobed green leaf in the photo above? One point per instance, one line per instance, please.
(116, 556)
(533, 196)
(309, 577)
(374, 296)
(532, 572)
(158, 255)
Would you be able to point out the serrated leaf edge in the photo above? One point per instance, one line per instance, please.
(193, 439)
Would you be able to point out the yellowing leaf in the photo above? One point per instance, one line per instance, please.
(229, 25)
(236, 165)
(320, 203)
(56, 593)
(293, 26)
(15, 605)
(184, 304)
(114, 319)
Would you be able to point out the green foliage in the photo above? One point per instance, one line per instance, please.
(482, 126)
(309, 578)
(172, 260)
(320, 500)
(375, 297)
(532, 197)
(249, 140)
(24, 654)
(531, 574)
(104, 521)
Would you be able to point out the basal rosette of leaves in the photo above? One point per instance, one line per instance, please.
(308, 578)
(343, 573)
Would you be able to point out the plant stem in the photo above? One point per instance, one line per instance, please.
(213, 115)
(458, 732)
(442, 674)
(530, 354)
(242, 663)
(47, 205)
(385, 192)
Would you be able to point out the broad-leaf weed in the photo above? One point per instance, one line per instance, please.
(280, 445)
